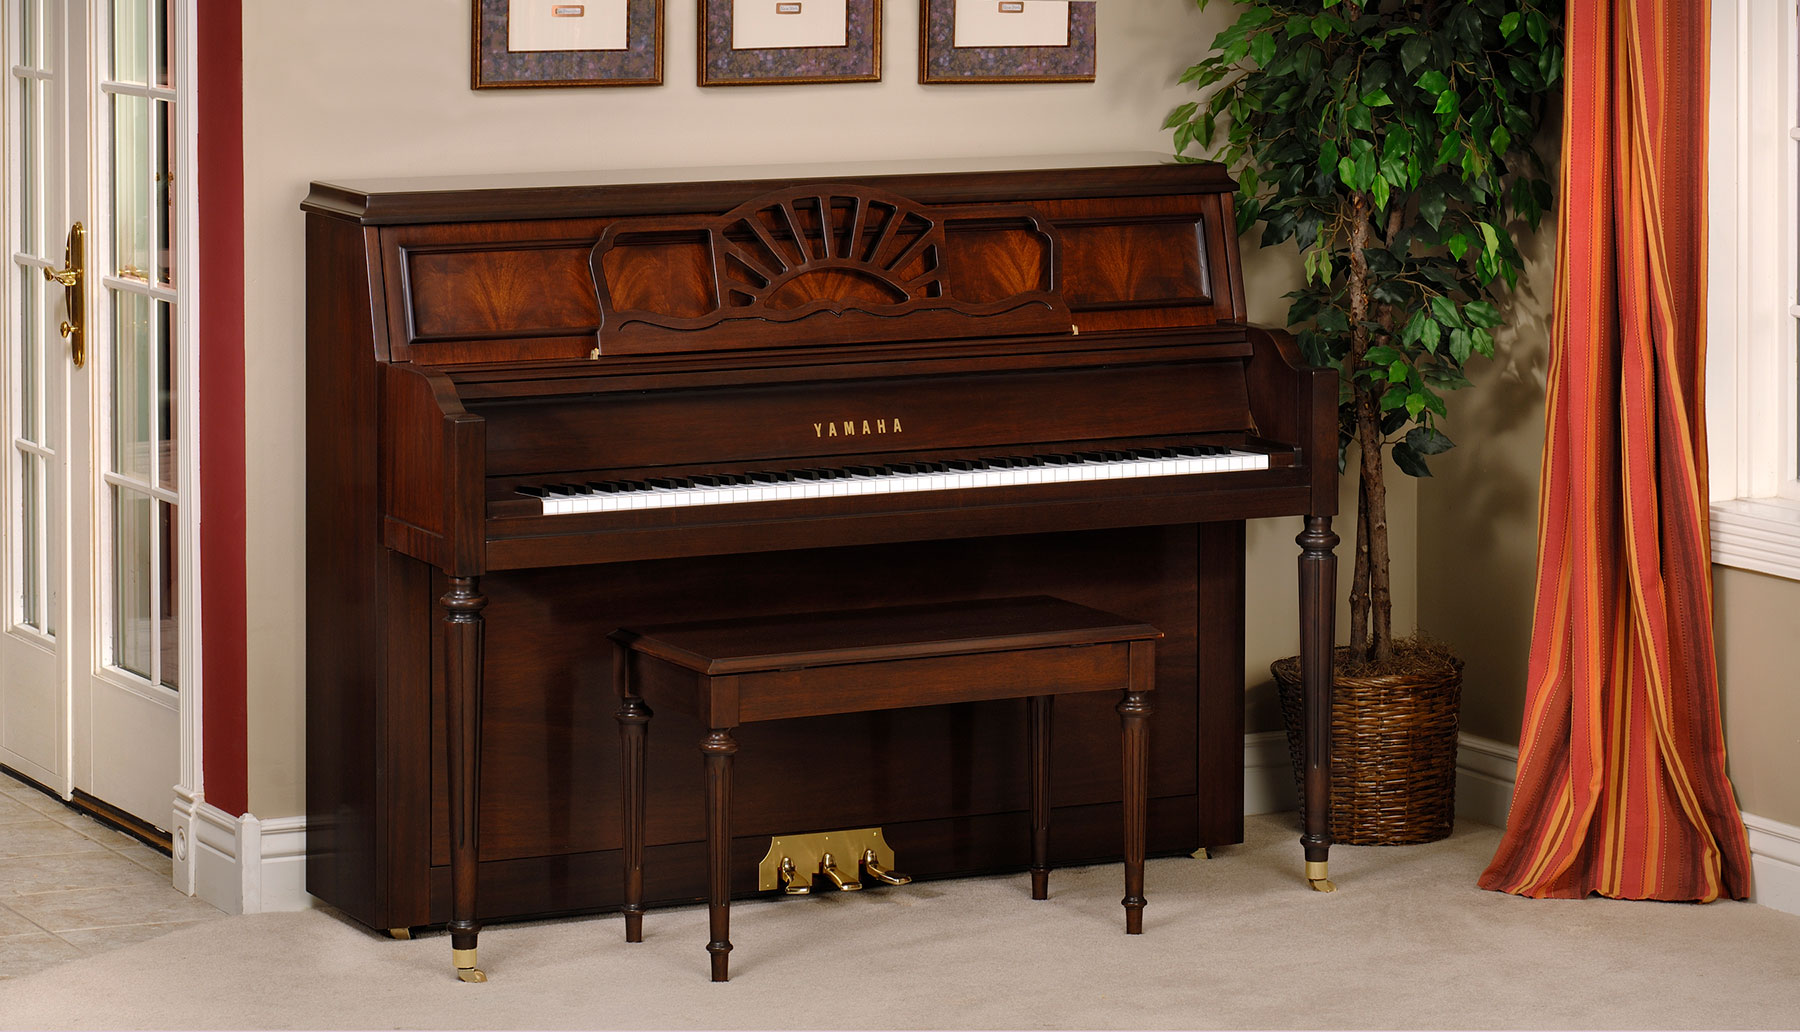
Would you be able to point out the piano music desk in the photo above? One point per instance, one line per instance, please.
(731, 672)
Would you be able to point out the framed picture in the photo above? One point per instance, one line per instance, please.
(789, 42)
(1006, 41)
(536, 43)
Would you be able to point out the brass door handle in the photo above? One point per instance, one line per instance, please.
(74, 259)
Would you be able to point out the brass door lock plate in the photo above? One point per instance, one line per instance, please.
(803, 856)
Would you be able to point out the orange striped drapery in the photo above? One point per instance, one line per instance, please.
(1622, 787)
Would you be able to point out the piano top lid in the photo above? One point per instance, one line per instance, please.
(606, 193)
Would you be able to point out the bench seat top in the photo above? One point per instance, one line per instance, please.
(796, 640)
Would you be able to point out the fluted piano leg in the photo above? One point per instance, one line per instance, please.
(462, 605)
(1134, 721)
(1318, 615)
(1038, 709)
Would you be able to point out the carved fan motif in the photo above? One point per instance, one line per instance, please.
(827, 265)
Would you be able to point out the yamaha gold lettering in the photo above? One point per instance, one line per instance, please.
(858, 428)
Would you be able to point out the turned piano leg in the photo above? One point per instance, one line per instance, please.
(1318, 615)
(718, 747)
(634, 720)
(463, 604)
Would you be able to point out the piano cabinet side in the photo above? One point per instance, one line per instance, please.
(356, 635)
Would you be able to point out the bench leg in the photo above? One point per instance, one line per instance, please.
(718, 747)
(634, 732)
(463, 630)
(1037, 728)
(1134, 720)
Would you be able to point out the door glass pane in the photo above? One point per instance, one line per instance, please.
(131, 186)
(29, 154)
(31, 543)
(131, 641)
(167, 527)
(131, 385)
(28, 33)
(130, 41)
(164, 198)
(166, 401)
(165, 43)
(30, 342)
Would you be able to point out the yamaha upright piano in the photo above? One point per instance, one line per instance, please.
(543, 407)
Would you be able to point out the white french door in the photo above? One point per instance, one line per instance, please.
(91, 687)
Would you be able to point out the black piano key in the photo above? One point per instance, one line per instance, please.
(959, 465)
(863, 471)
(665, 483)
(1091, 456)
(606, 487)
(1060, 460)
(903, 468)
(761, 477)
(535, 491)
(704, 481)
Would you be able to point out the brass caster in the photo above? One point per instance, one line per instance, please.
(792, 881)
(872, 867)
(1203, 853)
(1316, 877)
(466, 970)
(399, 933)
(829, 868)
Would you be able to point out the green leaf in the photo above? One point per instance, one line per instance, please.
(1433, 82)
(1415, 404)
(1431, 207)
(1347, 172)
(1356, 116)
(1430, 333)
(1394, 398)
(1381, 191)
(1501, 140)
(1262, 49)
(1321, 26)
(1509, 24)
(1181, 114)
(1427, 441)
(1446, 103)
(1444, 310)
(1413, 53)
(1409, 461)
(1380, 355)
(1376, 98)
(1397, 372)
(1460, 343)
(1482, 314)
(1490, 238)
(1457, 244)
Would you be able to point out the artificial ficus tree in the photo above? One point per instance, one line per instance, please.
(1390, 141)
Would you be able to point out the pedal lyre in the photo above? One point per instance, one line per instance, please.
(829, 868)
(872, 867)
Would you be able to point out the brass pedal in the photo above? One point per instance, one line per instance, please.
(872, 867)
(829, 868)
(793, 882)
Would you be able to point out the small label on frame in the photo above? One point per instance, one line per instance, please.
(1012, 6)
(787, 8)
(567, 11)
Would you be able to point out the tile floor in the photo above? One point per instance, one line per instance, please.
(70, 886)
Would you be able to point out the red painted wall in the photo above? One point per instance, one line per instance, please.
(220, 124)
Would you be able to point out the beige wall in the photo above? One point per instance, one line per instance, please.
(348, 88)
(1756, 621)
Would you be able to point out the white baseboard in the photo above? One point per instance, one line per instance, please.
(1774, 863)
(242, 865)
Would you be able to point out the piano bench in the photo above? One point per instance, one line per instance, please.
(732, 672)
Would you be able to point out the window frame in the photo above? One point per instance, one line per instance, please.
(1753, 312)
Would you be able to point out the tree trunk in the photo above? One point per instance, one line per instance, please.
(1359, 583)
(1372, 495)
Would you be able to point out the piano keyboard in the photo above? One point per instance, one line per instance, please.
(896, 478)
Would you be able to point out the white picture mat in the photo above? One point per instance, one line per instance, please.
(982, 23)
(532, 25)
(760, 25)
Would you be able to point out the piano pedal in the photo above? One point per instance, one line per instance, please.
(872, 867)
(793, 882)
(829, 868)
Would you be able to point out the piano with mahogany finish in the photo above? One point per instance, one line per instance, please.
(540, 408)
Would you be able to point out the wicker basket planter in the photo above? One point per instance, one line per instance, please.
(1393, 752)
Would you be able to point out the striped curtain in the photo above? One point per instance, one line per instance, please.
(1622, 787)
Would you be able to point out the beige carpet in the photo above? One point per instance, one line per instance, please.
(1407, 941)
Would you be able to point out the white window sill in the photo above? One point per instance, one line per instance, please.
(1761, 534)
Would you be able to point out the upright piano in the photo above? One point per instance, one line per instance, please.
(543, 407)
